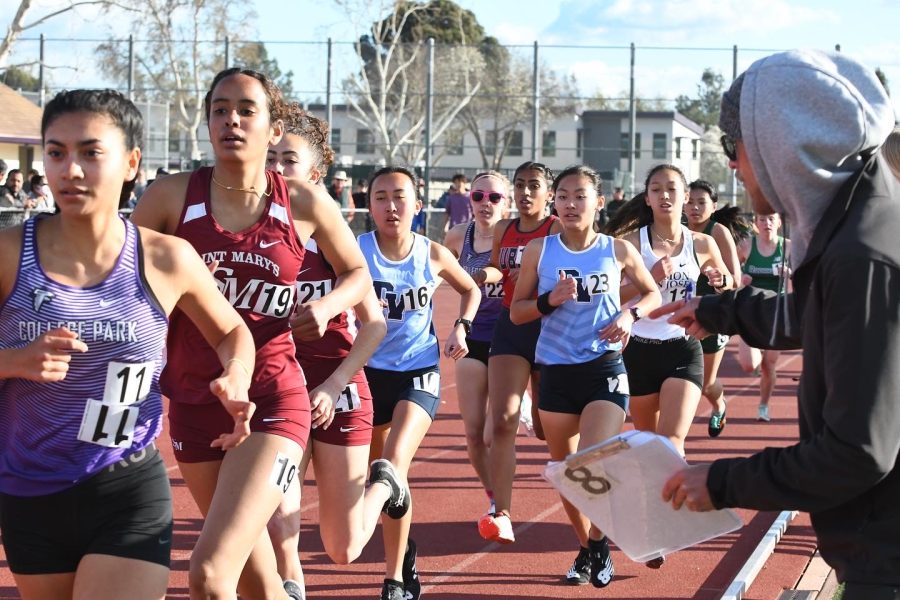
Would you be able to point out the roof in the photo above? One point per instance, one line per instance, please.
(672, 115)
(20, 119)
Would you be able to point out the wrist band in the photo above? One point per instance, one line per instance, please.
(724, 282)
(241, 364)
(543, 304)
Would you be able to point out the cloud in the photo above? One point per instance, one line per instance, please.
(515, 34)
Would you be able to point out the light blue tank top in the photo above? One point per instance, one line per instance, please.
(54, 435)
(405, 287)
(569, 334)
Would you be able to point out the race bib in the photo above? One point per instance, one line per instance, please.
(349, 400)
(110, 422)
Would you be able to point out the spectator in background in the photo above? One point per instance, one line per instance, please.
(40, 193)
(340, 191)
(360, 198)
(458, 208)
(3, 169)
(418, 223)
(618, 200)
(15, 196)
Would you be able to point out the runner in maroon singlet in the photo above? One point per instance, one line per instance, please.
(250, 226)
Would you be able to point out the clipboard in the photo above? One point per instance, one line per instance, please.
(618, 485)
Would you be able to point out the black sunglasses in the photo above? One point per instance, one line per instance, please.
(729, 147)
(494, 197)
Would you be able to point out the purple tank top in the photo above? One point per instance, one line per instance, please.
(54, 435)
(491, 293)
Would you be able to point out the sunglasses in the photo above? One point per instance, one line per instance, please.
(729, 147)
(494, 197)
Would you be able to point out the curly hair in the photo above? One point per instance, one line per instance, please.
(313, 131)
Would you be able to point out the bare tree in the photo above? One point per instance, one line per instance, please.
(17, 24)
(387, 94)
(180, 47)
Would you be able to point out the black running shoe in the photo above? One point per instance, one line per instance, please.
(392, 590)
(716, 424)
(383, 471)
(656, 563)
(294, 590)
(602, 570)
(410, 572)
(580, 571)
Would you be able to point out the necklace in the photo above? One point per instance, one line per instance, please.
(251, 189)
(662, 239)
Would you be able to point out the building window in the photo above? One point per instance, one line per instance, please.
(637, 145)
(678, 147)
(659, 145)
(515, 143)
(579, 143)
(548, 144)
(336, 140)
(490, 142)
(453, 143)
(365, 142)
(694, 147)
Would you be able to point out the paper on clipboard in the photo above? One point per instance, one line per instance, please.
(618, 485)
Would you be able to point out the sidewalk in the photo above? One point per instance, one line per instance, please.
(818, 582)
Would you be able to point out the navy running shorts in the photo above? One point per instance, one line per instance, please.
(650, 362)
(124, 510)
(713, 343)
(518, 340)
(419, 386)
(478, 350)
(570, 388)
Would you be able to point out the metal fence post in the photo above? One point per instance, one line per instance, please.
(328, 107)
(41, 97)
(131, 68)
(535, 105)
(429, 116)
(632, 124)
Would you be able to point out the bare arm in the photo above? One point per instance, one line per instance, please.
(492, 273)
(453, 241)
(728, 250)
(450, 270)
(161, 204)
(713, 266)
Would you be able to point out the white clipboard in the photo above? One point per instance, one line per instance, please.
(618, 485)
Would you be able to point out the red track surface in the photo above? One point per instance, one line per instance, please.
(455, 563)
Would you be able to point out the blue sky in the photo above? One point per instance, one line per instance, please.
(865, 29)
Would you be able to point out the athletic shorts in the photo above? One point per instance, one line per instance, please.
(570, 388)
(518, 340)
(419, 386)
(713, 343)
(124, 510)
(478, 350)
(651, 362)
(352, 424)
(193, 427)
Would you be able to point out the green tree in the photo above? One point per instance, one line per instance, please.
(254, 55)
(704, 108)
(20, 79)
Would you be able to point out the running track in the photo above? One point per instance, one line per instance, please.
(456, 563)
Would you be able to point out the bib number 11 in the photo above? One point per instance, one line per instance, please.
(110, 422)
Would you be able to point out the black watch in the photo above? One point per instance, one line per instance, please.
(636, 314)
(467, 324)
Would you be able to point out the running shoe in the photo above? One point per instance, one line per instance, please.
(716, 424)
(602, 570)
(496, 527)
(580, 571)
(294, 590)
(392, 590)
(383, 471)
(525, 414)
(656, 563)
(763, 413)
(410, 572)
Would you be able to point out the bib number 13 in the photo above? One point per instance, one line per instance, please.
(110, 422)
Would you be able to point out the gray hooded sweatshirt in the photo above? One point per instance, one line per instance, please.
(812, 124)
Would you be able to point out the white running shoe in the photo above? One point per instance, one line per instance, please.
(525, 414)
(763, 413)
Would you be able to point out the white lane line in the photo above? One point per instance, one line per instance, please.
(488, 549)
(757, 560)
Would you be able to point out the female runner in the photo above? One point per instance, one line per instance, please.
(403, 373)
(703, 217)
(584, 388)
(511, 361)
(85, 504)
(472, 243)
(765, 266)
(665, 368)
(348, 512)
(250, 225)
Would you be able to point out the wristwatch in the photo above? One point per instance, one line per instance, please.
(467, 324)
(636, 314)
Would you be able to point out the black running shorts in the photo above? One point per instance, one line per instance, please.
(570, 388)
(125, 510)
(651, 362)
(419, 386)
(478, 350)
(517, 340)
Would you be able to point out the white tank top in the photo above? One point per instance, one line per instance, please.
(674, 287)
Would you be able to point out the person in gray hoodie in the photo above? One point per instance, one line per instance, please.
(803, 129)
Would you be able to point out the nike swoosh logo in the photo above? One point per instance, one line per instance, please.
(273, 420)
(267, 244)
(104, 303)
(679, 266)
(348, 429)
(303, 271)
